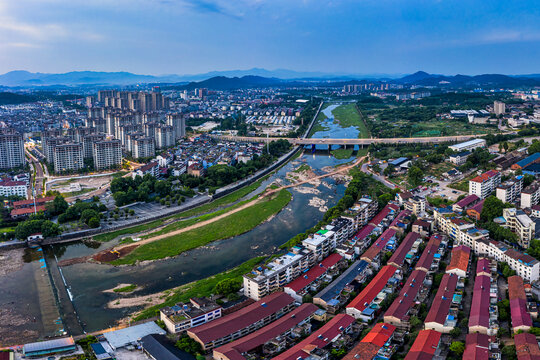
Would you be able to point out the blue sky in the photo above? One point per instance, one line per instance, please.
(195, 36)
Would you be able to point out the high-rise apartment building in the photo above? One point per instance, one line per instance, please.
(499, 107)
(107, 154)
(88, 144)
(49, 143)
(11, 149)
(68, 157)
(164, 136)
(178, 123)
(143, 147)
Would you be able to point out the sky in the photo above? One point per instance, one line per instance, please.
(196, 36)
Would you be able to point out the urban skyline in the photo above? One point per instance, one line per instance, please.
(339, 37)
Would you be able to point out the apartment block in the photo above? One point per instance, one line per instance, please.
(11, 150)
(107, 154)
(416, 205)
(361, 212)
(143, 147)
(265, 279)
(530, 195)
(510, 190)
(88, 144)
(13, 188)
(181, 317)
(68, 157)
(178, 124)
(321, 243)
(164, 136)
(521, 224)
(483, 185)
(50, 143)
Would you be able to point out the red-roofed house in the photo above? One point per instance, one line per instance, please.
(282, 327)
(465, 203)
(299, 286)
(243, 321)
(360, 306)
(477, 347)
(438, 317)
(459, 262)
(426, 260)
(479, 316)
(521, 319)
(526, 347)
(329, 333)
(397, 313)
(398, 258)
(425, 345)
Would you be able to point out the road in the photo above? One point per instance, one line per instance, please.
(38, 173)
(379, 178)
(392, 141)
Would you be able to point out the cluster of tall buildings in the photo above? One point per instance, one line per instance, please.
(67, 151)
(11, 149)
(137, 120)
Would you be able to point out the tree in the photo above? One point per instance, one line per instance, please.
(509, 352)
(389, 170)
(534, 148)
(187, 344)
(457, 347)
(227, 286)
(493, 207)
(415, 176)
(58, 206)
(93, 222)
(455, 332)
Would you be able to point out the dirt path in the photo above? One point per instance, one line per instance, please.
(116, 252)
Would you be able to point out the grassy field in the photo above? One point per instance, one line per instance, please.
(342, 153)
(225, 200)
(318, 126)
(347, 116)
(463, 184)
(204, 287)
(438, 169)
(128, 288)
(233, 225)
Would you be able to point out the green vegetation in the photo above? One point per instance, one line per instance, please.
(302, 168)
(347, 116)
(225, 200)
(203, 287)
(128, 288)
(318, 122)
(342, 154)
(36, 224)
(233, 225)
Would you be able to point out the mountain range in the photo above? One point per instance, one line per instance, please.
(256, 77)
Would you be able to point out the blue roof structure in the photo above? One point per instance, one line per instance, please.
(333, 290)
(528, 160)
(398, 161)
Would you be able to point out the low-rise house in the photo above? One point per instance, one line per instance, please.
(521, 319)
(422, 227)
(475, 211)
(526, 347)
(398, 312)
(315, 344)
(479, 319)
(465, 203)
(425, 346)
(310, 279)
(398, 257)
(375, 345)
(440, 317)
(477, 346)
(277, 330)
(459, 158)
(242, 322)
(459, 262)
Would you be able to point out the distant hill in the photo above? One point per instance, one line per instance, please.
(425, 79)
(226, 83)
(8, 98)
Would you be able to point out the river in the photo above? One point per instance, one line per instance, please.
(88, 281)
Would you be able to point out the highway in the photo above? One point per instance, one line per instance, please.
(38, 175)
(391, 141)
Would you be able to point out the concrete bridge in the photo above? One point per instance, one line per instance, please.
(346, 142)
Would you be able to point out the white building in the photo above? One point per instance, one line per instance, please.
(510, 190)
(107, 154)
(11, 150)
(164, 136)
(321, 243)
(14, 188)
(521, 224)
(181, 317)
(143, 147)
(265, 279)
(483, 185)
(468, 145)
(530, 196)
(68, 157)
(178, 123)
(499, 107)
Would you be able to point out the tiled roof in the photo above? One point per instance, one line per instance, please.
(460, 258)
(479, 315)
(380, 334)
(314, 273)
(399, 256)
(526, 347)
(235, 349)
(376, 285)
(26, 211)
(477, 347)
(242, 318)
(442, 301)
(424, 345)
(319, 338)
(429, 252)
(485, 176)
(467, 200)
(405, 299)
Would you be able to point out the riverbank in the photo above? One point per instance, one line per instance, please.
(192, 237)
